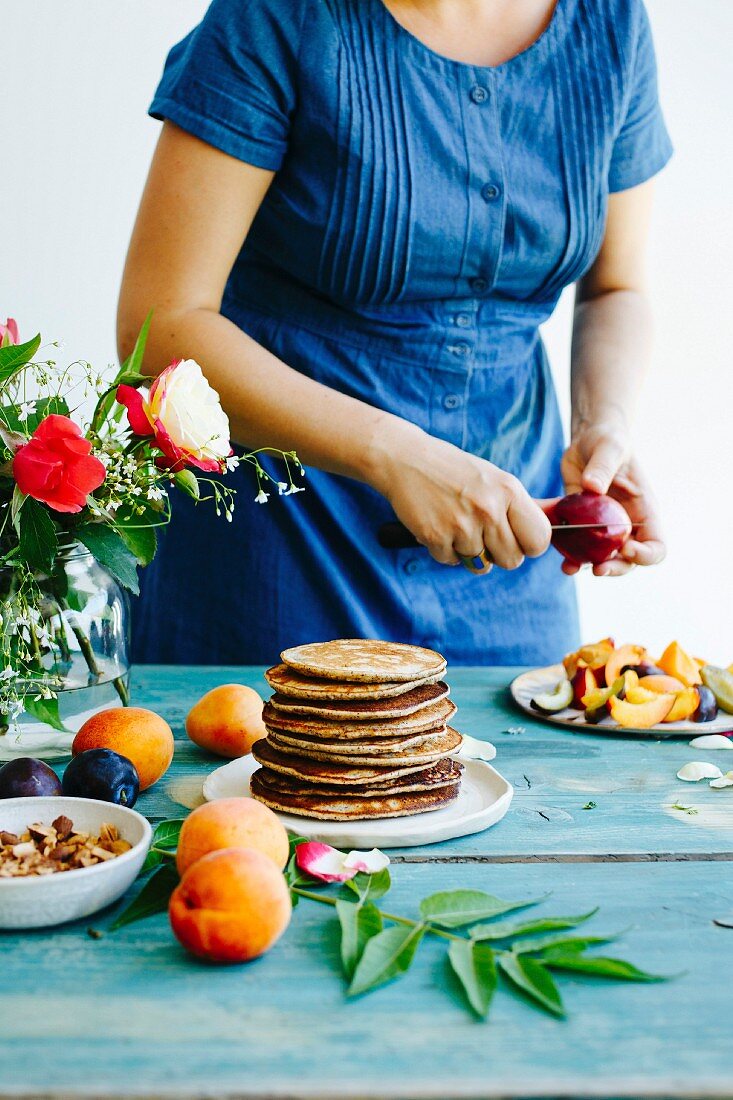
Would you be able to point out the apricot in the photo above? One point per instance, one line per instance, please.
(675, 662)
(662, 685)
(685, 705)
(140, 735)
(641, 716)
(625, 655)
(227, 720)
(231, 823)
(230, 906)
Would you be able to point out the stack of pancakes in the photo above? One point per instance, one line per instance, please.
(357, 729)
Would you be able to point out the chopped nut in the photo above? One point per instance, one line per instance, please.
(63, 826)
(45, 849)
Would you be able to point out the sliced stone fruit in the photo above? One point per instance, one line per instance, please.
(550, 702)
(583, 682)
(626, 655)
(675, 662)
(596, 702)
(685, 705)
(720, 682)
(641, 716)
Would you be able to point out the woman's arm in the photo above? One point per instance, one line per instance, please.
(196, 211)
(610, 354)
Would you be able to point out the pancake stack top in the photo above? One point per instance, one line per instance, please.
(357, 729)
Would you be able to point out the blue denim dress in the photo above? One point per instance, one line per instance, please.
(424, 218)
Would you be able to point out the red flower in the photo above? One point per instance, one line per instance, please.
(56, 466)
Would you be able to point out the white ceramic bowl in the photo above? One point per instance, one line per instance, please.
(40, 901)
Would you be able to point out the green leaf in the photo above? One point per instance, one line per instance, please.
(152, 860)
(46, 711)
(133, 363)
(475, 967)
(359, 923)
(38, 539)
(456, 908)
(141, 541)
(187, 482)
(153, 898)
(167, 833)
(508, 929)
(386, 956)
(15, 356)
(568, 943)
(599, 966)
(531, 977)
(370, 887)
(110, 551)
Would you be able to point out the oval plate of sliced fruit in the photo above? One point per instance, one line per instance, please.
(604, 688)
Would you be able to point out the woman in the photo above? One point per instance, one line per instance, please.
(358, 214)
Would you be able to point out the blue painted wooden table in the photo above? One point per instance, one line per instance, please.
(129, 1014)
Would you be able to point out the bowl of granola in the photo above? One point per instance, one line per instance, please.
(65, 858)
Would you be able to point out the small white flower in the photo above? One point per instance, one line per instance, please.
(155, 493)
(8, 674)
(281, 487)
(294, 489)
(262, 497)
(26, 409)
(231, 462)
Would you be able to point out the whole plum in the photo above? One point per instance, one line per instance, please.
(25, 777)
(102, 774)
(707, 708)
(597, 527)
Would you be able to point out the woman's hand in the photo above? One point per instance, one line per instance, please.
(598, 459)
(453, 502)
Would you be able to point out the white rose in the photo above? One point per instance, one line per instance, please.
(189, 411)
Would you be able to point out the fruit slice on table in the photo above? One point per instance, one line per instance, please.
(598, 527)
(583, 682)
(639, 694)
(707, 709)
(596, 702)
(641, 716)
(625, 655)
(720, 682)
(550, 702)
(662, 685)
(675, 662)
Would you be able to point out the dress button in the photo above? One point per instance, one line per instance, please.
(490, 192)
(479, 284)
(452, 401)
(479, 94)
(463, 320)
(412, 566)
(461, 349)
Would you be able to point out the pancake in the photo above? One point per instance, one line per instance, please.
(429, 719)
(294, 685)
(412, 701)
(323, 771)
(339, 747)
(443, 774)
(349, 807)
(364, 659)
(431, 749)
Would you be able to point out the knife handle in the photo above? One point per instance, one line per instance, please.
(395, 536)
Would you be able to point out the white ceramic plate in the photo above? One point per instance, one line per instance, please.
(41, 901)
(484, 799)
(529, 684)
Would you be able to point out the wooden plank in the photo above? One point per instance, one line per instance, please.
(131, 1015)
(632, 783)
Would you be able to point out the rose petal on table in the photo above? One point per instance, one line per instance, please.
(697, 770)
(367, 862)
(712, 741)
(323, 862)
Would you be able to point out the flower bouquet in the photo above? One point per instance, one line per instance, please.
(86, 469)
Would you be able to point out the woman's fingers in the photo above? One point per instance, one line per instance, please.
(530, 526)
(603, 465)
(650, 552)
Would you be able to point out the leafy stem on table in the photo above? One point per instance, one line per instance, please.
(378, 946)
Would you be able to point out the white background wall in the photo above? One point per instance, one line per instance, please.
(75, 81)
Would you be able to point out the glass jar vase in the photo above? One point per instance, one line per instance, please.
(65, 652)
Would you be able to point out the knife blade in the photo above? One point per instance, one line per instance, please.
(395, 536)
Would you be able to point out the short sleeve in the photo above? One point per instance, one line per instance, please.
(642, 146)
(232, 81)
